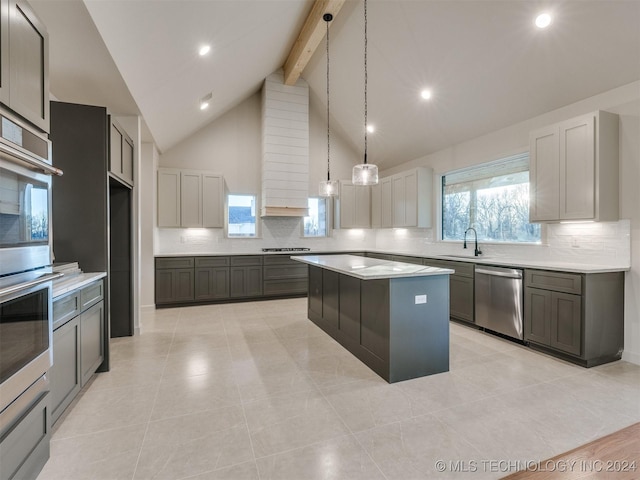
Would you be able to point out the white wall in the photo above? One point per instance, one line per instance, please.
(147, 186)
(232, 145)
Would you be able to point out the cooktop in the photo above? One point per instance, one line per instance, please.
(286, 249)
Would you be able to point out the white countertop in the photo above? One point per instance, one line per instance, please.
(502, 261)
(545, 265)
(68, 283)
(370, 268)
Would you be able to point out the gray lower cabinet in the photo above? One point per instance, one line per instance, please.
(461, 288)
(246, 281)
(211, 278)
(91, 341)
(577, 315)
(65, 373)
(283, 276)
(24, 449)
(174, 280)
(554, 319)
(78, 343)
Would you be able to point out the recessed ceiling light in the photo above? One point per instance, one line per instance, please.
(204, 49)
(543, 20)
(371, 128)
(425, 94)
(204, 101)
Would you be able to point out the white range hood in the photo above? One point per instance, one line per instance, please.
(285, 147)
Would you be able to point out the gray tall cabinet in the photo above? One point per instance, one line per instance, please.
(92, 207)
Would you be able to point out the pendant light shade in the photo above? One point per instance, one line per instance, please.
(328, 188)
(365, 173)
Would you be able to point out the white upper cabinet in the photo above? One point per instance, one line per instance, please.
(190, 198)
(381, 204)
(574, 170)
(168, 197)
(353, 207)
(403, 200)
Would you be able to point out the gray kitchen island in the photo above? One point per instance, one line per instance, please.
(393, 316)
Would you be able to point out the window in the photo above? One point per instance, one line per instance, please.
(242, 215)
(493, 198)
(316, 223)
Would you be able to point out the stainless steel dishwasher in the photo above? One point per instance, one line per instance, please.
(499, 295)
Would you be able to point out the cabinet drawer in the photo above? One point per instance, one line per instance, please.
(65, 308)
(281, 272)
(556, 281)
(175, 262)
(212, 261)
(91, 294)
(279, 260)
(248, 260)
(25, 449)
(284, 287)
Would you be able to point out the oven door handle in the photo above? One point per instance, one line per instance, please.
(14, 154)
(23, 286)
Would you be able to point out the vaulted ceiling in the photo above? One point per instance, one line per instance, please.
(486, 63)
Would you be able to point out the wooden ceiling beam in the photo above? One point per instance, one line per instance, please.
(310, 36)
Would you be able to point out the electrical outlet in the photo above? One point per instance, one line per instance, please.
(420, 299)
(574, 242)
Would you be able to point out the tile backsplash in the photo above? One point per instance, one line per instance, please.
(604, 243)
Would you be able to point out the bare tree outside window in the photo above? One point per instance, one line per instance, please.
(494, 200)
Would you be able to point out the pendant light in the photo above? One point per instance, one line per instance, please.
(365, 173)
(328, 188)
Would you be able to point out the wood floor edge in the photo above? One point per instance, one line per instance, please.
(615, 453)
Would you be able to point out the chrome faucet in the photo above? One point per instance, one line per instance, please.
(477, 251)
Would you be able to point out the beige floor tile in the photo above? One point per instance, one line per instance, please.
(340, 458)
(411, 449)
(498, 429)
(131, 373)
(365, 404)
(107, 409)
(279, 424)
(304, 349)
(244, 471)
(224, 380)
(198, 393)
(194, 444)
(335, 369)
(110, 454)
(257, 381)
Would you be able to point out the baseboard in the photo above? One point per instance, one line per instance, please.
(147, 308)
(631, 357)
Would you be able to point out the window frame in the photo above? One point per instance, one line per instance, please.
(226, 216)
(440, 201)
(328, 203)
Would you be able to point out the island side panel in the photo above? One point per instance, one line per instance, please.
(419, 333)
(374, 326)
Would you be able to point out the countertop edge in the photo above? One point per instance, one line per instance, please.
(558, 267)
(425, 271)
(73, 282)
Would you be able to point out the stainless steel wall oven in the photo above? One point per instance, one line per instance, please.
(25, 272)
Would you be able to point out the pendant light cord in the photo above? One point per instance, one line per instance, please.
(328, 17)
(365, 82)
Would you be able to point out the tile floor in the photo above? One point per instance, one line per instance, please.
(256, 391)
